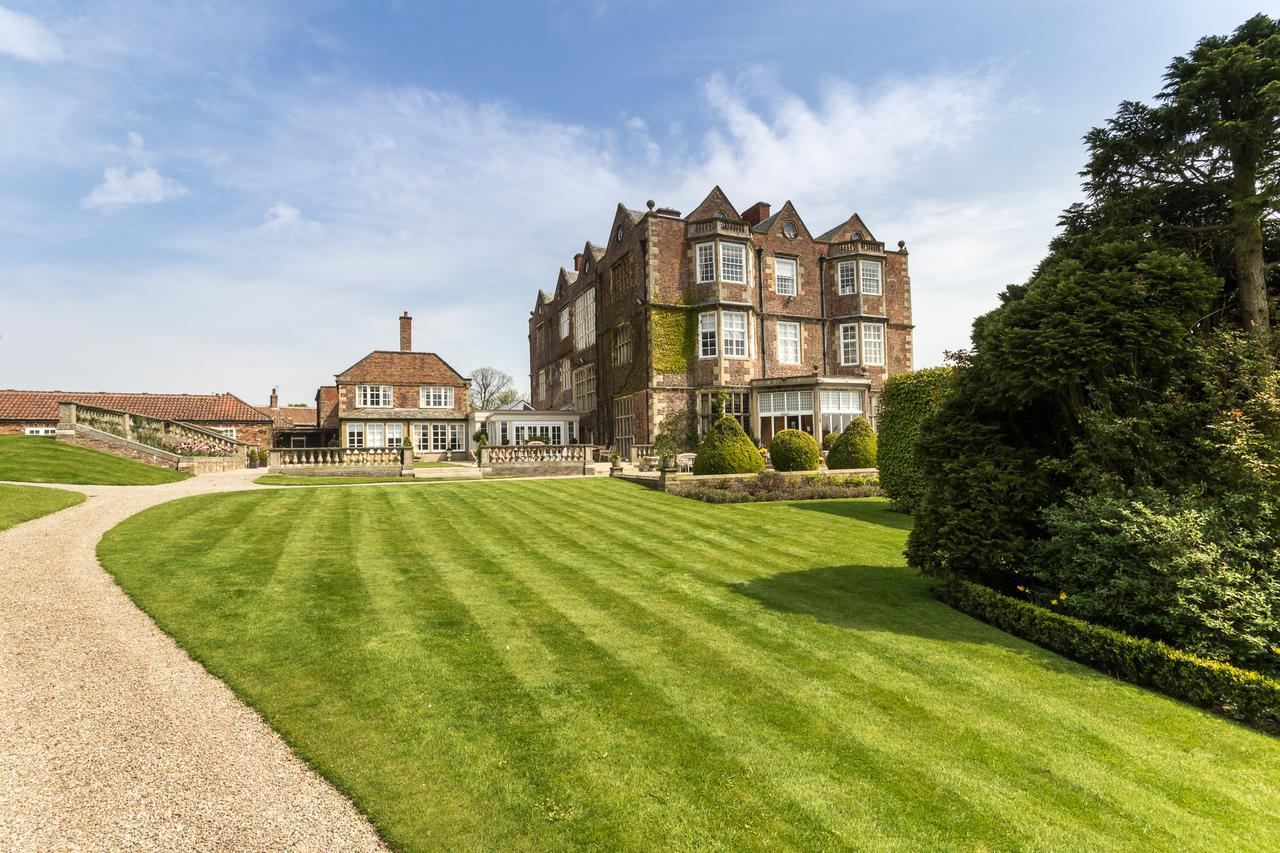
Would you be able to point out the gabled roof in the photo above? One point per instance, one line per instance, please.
(195, 408)
(845, 231)
(716, 201)
(790, 210)
(398, 367)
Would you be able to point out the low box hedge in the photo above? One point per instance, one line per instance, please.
(1237, 693)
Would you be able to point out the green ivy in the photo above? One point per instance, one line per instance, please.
(673, 335)
(907, 400)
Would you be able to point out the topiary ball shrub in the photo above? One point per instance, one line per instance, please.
(829, 439)
(728, 450)
(794, 450)
(855, 448)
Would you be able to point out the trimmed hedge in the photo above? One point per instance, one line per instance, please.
(908, 399)
(1237, 693)
(794, 450)
(728, 450)
(855, 448)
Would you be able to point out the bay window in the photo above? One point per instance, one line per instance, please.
(706, 262)
(849, 343)
(733, 263)
(872, 281)
(873, 343)
(735, 334)
(707, 335)
(847, 273)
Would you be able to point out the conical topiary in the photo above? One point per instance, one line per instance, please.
(794, 450)
(727, 450)
(855, 448)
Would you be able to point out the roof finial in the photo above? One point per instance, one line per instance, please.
(650, 204)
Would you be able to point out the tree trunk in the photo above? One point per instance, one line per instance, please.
(1246, 247)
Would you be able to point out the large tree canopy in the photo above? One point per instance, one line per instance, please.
(492, 389)
(1201, 165)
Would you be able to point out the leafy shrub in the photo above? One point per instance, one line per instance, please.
(829, 439)
(728, 450)
(1240, 694)
(775, 487)
(855, 448)
(907, 400)
(794, 450)
(678, 433)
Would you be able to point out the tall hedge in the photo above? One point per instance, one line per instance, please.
(908, 399)
(855, 448)
(728, 450)
(794, 450)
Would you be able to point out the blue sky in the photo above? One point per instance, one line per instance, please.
(231, 196)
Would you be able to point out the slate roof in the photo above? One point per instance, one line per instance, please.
(397, 367)
(193, 408)
(765, 224)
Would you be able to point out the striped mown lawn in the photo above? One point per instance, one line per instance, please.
(23, 503)
(540, 664)
(32, 459)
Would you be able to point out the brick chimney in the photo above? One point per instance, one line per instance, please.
(406, 332)
(275, 399)
(756, 213)
(577, 262)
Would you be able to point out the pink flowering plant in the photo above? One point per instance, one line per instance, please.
(191, 447)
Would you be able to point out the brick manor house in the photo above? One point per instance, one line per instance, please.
(800, 331)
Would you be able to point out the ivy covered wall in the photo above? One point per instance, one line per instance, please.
(673, 332)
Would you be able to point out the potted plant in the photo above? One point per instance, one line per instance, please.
(615, 465)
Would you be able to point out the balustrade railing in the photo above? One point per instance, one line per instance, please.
(173, 436)
(705, 227)
(505, 454)
(856, 247)
(338, 457)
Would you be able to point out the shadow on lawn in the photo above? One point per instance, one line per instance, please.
(885, 598)
(872, 513)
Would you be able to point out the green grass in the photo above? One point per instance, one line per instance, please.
(287, 480)
(23, 503)
(546, 664)
(30, 459)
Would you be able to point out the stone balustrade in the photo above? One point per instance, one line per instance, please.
(708, 227)
(537, 459)
(856, 247)
(148, 439)
(350, 461)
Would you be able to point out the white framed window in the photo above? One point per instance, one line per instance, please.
(622, 344)
(542, 383)
(873, 343)
(848, 344)
(707, 335)
(564, 323)
(229, 432)
(839, 408)
(47, 431)
(435, 397)
(785, 402)
(566, 374)
(440, 437)
(355, 435)
(872, 277)
(847, 275)
(373, 396)
(395, 435)
(584, 319)
(733, 263)
(584, 388)
(735, 334)
(788, 343)
(374, 435)
(784, 276)
(706, 262)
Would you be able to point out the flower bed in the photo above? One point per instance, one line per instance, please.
(198, 448)
(771, 486)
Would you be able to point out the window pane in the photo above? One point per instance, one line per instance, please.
(733, 263)
(848, 282)
(849, 344)
(735, 334)
(785, 276)
(873, 343)
(706, 262)
(707, 334)
(871, 279)
(789, 343)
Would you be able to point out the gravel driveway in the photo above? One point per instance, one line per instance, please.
(110, 736)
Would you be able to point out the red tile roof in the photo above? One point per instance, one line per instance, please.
(195, 408)
(397, 367)
(286, 417)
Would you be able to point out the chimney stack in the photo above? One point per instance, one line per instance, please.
(756, 213)
(406, 332)
(275, 398)
(577, 262)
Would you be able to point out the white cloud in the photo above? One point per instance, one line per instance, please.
(26, 38)
(121, 188)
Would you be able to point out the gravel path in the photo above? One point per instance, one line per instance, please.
(110, 736)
